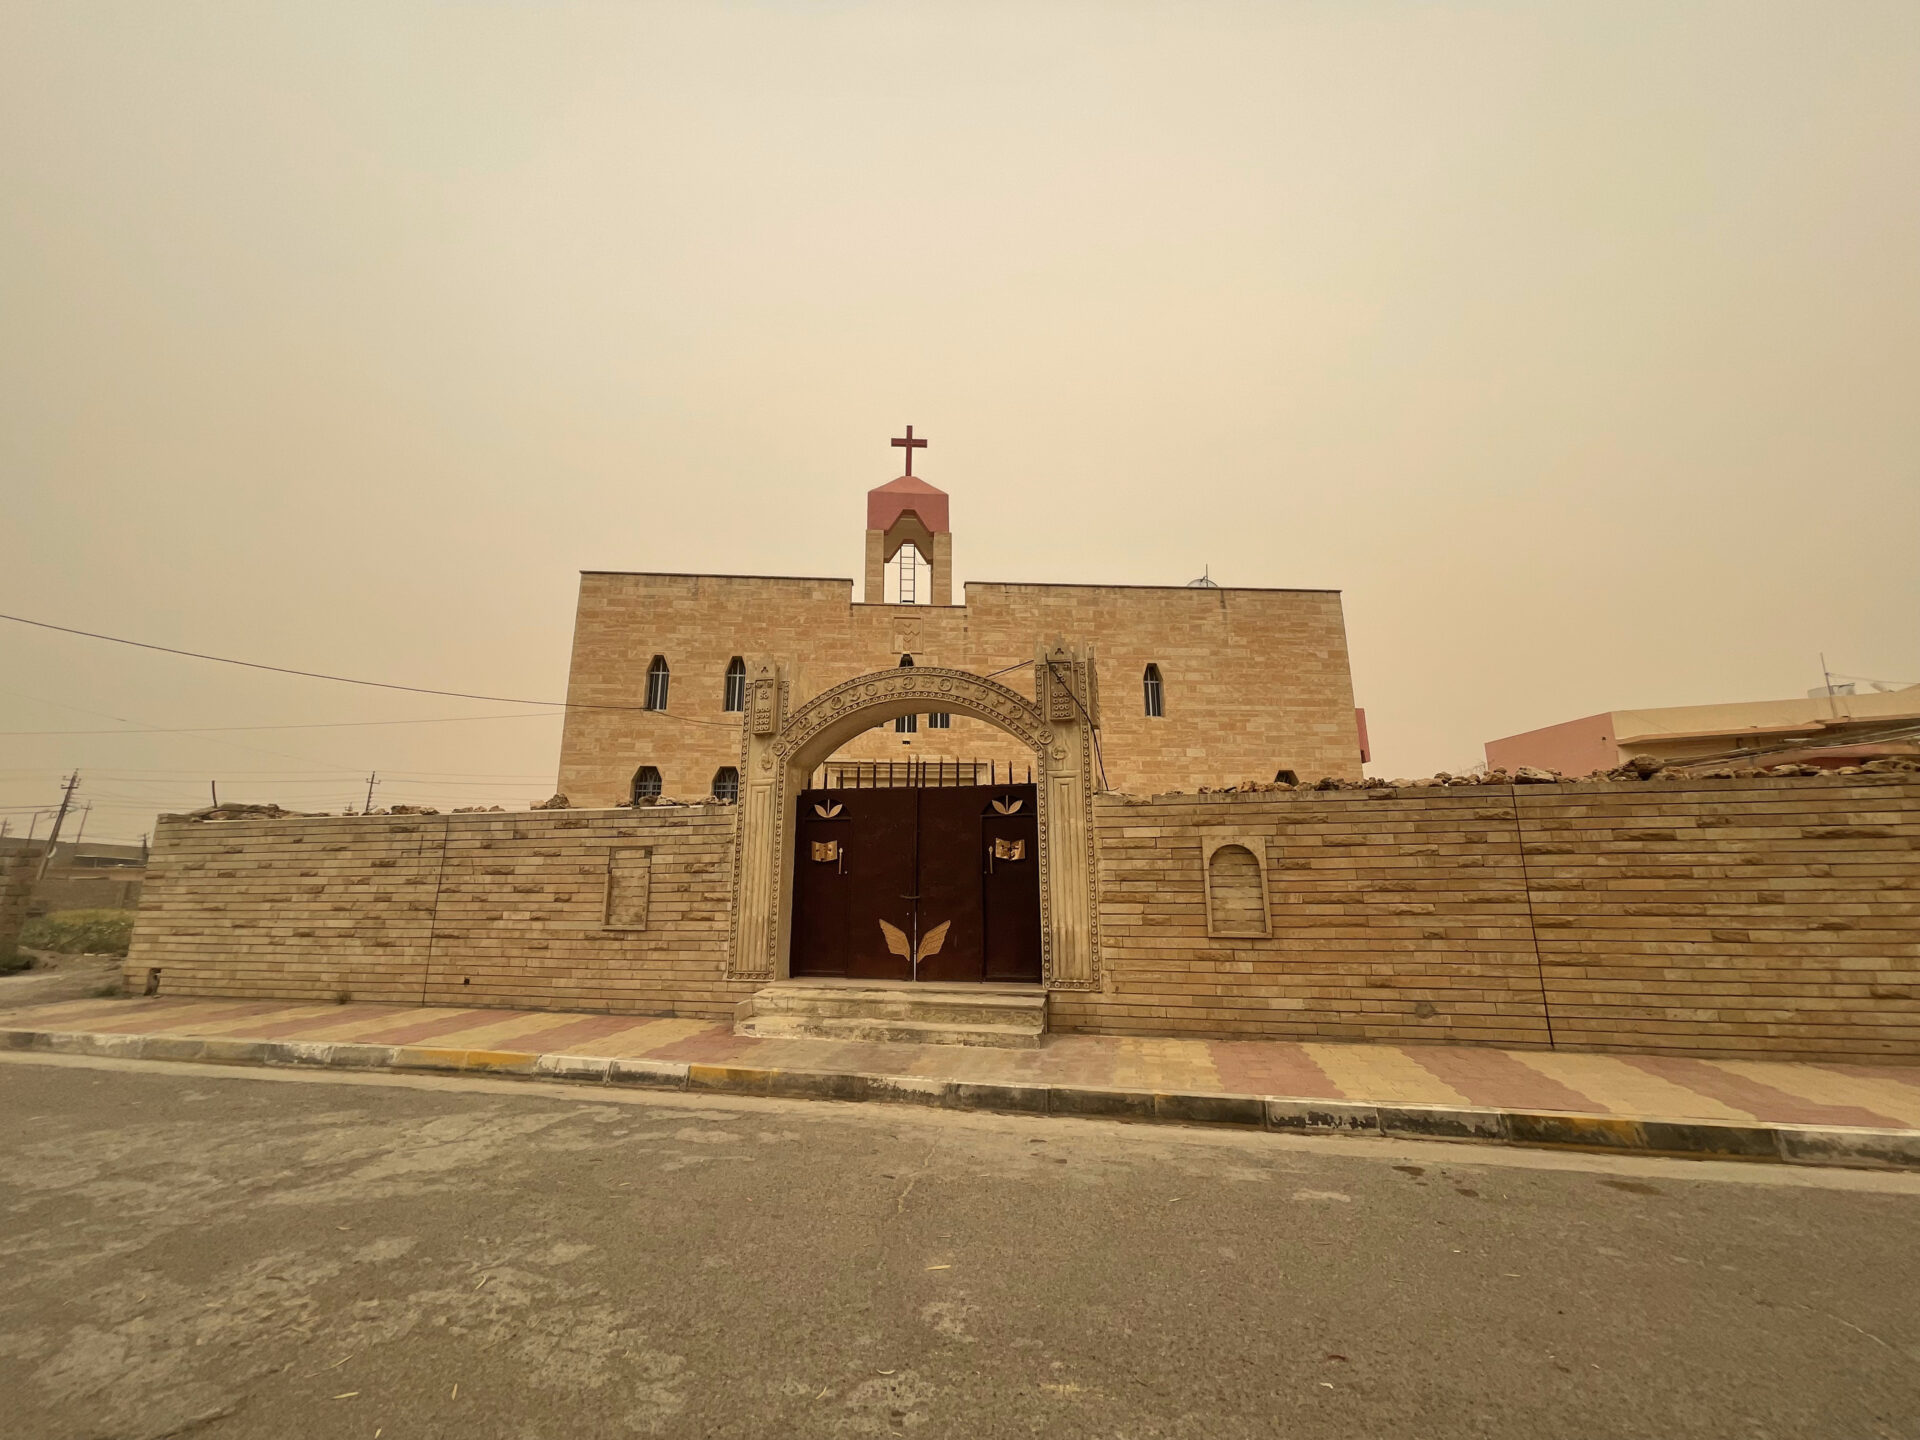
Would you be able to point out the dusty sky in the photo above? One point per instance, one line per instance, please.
(1577, 343)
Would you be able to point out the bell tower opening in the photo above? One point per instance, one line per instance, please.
(907, 519)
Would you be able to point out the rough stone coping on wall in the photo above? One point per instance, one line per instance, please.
(1831, 1145)
(1666, 781)
(401, 812)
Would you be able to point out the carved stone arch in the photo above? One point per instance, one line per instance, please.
(778, 751)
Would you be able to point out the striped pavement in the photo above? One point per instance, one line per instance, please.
(1626, 1086)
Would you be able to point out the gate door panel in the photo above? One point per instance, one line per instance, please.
(948, 873)
(853, 868)
(1010, 858)
(950, 883)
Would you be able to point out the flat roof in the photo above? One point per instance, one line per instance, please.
(1004, 584)
(696, 575)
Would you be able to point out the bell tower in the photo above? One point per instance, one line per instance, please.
(908, 511)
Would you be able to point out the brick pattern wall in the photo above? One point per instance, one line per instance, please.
(1774, 917)
(1255, 680)
(484, 909)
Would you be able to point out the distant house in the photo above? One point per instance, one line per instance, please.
(1825, 729)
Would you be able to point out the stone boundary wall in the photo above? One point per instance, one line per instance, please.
(490, 908)
(104, 890)
(1758, 917)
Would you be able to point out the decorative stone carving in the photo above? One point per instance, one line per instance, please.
(778, 763)
(763, 704)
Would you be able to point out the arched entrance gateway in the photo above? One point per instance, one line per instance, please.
(780, 749)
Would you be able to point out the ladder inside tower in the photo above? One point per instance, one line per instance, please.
(909, 590)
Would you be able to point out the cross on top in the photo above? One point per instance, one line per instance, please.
(909, 444)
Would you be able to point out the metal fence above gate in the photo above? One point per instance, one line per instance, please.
(907, 774)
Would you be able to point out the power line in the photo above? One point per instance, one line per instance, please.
(350, 680)
(315, 725)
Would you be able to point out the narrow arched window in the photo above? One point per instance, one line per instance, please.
(646, 785)
(906, 724)
(657, 683)
(735, 697)
(726, 784)
(1155, 691)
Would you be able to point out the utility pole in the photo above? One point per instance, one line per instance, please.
(214, 787)
(53, 839)
(373, 778)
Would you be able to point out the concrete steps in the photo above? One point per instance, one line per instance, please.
(1011, 1016)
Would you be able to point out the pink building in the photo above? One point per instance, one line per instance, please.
(1826, 730)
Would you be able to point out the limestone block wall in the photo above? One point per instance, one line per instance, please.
(500, 909)
(1400, 919)
(1254, 680)
(1767, 917)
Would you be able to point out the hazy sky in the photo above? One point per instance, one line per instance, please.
(1578, 344)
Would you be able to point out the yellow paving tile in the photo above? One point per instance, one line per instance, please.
(1382, 1072)
(1623, 1089)
(1829, 1087)
(491, 1031)
(1157, 1064)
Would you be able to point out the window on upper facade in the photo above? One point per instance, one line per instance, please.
(726, 784)
(735, 695)
(657, 683)
(646, 784)
(906, 724)
(938, 721)
(1155, 691)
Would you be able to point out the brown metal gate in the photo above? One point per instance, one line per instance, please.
(928, 883)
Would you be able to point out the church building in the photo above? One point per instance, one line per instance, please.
(895, 817)
(1203, 684)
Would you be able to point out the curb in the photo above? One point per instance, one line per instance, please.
(1828, 1145)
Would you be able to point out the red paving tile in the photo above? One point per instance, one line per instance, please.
(1775, 1105)
(1257, 1068)
(1495, 1078)
(717, 1046)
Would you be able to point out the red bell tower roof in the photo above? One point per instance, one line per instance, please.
(886, 503)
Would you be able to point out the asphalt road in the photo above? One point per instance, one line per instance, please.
(192, 1251)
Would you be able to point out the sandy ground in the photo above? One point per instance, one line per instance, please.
(59, 977)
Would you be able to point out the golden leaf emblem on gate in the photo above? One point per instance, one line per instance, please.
(930, 943)
(1008, 807)
(827, 812)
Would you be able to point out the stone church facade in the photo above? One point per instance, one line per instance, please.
(1247, 683)
(1048, 854)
